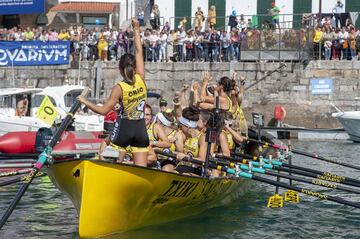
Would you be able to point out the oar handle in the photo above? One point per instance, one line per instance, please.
(65, 123)
(186, 158)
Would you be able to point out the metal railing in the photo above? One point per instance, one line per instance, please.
(257, 21)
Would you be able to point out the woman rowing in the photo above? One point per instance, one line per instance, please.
(224, 88)
(234, 138)
(166, 121)
(156, 135)
(237, 95)
(130, 127)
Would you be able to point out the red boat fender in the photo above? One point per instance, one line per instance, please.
(279, 113)
(18, 142)
(24, 142)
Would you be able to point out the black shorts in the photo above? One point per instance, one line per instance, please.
(130, 133)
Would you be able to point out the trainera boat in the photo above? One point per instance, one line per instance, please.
(113, 198)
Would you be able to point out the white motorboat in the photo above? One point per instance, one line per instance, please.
(350, 120)
(61, 96)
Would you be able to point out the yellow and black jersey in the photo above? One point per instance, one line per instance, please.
(133, 99)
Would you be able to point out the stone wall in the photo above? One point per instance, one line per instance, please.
(290, 88)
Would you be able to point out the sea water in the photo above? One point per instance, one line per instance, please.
(44, 212)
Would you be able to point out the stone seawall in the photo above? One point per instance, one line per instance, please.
(290, 88)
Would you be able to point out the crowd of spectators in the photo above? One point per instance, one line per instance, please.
(334, 43)
(199, 43)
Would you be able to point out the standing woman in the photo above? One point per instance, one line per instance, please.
(224, 88)
(130, 128)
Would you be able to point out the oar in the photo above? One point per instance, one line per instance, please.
(315, 156)
(17, 156)
(308, 192)
(43, 157)
(174, 154)
(13, 173)
(16, 165)
(292, 177)
(19, 179)
(17, 161)
(324, 175)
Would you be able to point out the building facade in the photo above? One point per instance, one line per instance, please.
(175, 10)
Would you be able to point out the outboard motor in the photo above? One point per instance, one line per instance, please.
(43, 136)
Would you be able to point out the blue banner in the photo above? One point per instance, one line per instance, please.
(321, 86)
(34, 53)
(21, 6)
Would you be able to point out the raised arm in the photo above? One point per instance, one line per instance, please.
(139, 57)
(203, 97)
(115, 96)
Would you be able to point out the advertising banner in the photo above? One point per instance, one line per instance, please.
(34, 53)
(8, 7)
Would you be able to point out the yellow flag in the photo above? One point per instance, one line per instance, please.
(47, 111)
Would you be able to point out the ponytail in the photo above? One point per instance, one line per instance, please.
(127, 68)
(129, 72)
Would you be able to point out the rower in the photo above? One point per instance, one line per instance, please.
(209, 118)
(237, 96)
(166, 121)
(188, 140)
(156, 135)
(130, 127)
(223, 87)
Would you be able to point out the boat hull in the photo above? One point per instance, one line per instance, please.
(351, 122)
(112, 198)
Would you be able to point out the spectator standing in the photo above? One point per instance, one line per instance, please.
(140, 16)
(102, 48)
(336, 46)
(53, 35)
(163, 46)
(234, 45)
(327, 38)
(198, 39)
(189, 45)
(344, 43)
(18, 34)
(274, 12)
(183, 22)
(44, 37)
(154, 38)
(212, 17)
(215, 45)
(167, 27)
(199, 18)
(225, 44)
(232, 19)
(155, 15)
(28, 34)
(120, 43)
(337, 10)
(241, 23)
(317, 40)
(352, 43)
(180, 37)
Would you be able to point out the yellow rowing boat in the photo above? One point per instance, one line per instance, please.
(112, 198)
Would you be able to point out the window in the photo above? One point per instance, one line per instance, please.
(37, 99)
(91, 22)
(6, 101)
(70, 97)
